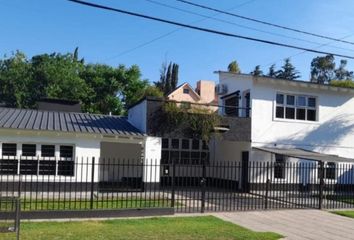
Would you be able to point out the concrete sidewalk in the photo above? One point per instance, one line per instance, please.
(295, 224)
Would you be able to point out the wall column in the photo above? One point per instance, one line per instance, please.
(152, 161)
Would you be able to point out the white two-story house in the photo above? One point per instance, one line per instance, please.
(289, 120)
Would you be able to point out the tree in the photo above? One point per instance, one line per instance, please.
(288, 71)
(151, 91)
(257, 71)
(272, 72)
(322, 69)
(15, 81)
(58, 76)
(100, 88)
(233, 67)
(341, 73)
(174, 76)
(168, 77)
(342, 83)
(76, 55)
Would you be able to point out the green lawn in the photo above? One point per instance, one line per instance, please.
(186, 228)
(345, 213)
(344, 199)
(118, 203)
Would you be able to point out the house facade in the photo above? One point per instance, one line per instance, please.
(287, 117)
(63, 146)
(203, 95)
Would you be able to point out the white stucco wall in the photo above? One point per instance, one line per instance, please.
(242, 83)
(137, 116)
(152, 158)
(331, 134)
(85, 148)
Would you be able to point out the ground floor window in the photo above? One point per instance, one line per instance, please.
(329, 171)
(184, 151)
(29, 163)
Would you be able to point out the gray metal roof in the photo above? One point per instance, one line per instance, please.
(29, 119)
(305, 154)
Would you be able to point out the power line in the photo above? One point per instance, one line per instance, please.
(169, 33)
(302, 52)
(205, 29)
(240, 25)
(263, 22)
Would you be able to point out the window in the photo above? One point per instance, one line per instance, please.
(232, 105)
(280, 99)
(297, 107)
(195, 144)
(279, 166)
(329, 171)
(165, 143)
(47, 150)
(9, 149)
(28, 150)
(185, 152)
(185, 144)
(165, 157)
(28, 166)
(185, 90)
(66, 151)
(175, 143)
(66, 167)
(8, 166)
(247, 104)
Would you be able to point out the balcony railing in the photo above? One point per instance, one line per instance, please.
(234, 111)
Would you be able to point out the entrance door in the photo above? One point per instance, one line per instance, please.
(245, 185)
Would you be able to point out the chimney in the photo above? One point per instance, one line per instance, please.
(60, 105)
(206, 90)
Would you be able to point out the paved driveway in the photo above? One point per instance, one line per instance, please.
(295, 224)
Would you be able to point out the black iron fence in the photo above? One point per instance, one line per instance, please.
(111, 183)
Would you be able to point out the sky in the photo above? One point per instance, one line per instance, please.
(42, 26)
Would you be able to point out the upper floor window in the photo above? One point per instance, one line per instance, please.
(231, 103)
(298, 107)
(185, 90)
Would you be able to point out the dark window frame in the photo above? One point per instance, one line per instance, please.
(63, 154)
(288, 107)
(48, 146)
(26, 151)
(8, 144)
(232, 105)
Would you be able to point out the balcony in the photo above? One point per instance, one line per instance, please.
(234, 126)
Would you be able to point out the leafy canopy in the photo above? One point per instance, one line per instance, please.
(234, 67)
(99, 87)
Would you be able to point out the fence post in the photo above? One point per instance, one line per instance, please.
(203, 185)
(173, 184)
(19, 185)
(18, 218)
(267, 188)
(92, 181)
(321, 187)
